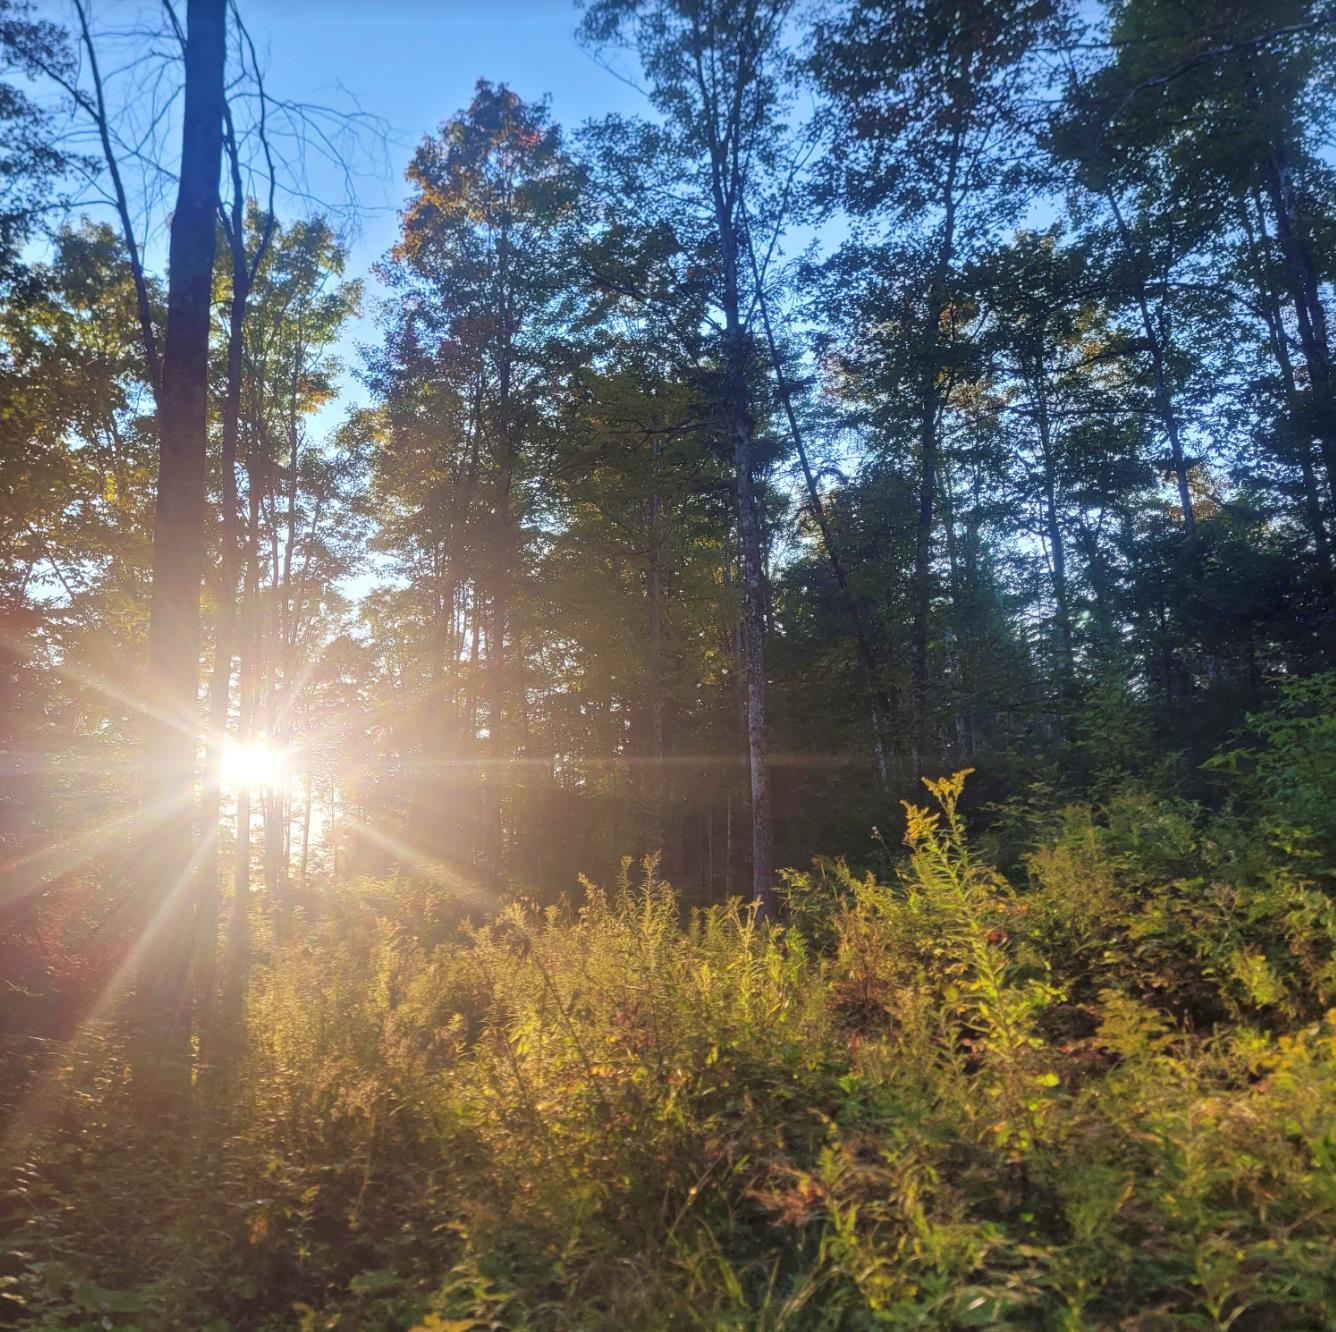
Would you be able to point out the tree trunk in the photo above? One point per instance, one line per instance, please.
(1310, 315)
(739, 419)
(1056, 546)
(1098, 574)
(656, 774)
(276, 861)
(922, 592)
(1164, 399)
(1275, 328)
(929, 411)
(238, 933)
(880, 706)
(494, 831)
(494, 835)
(225, 629)
(162, 1070)
(728, 166)
(306, 827)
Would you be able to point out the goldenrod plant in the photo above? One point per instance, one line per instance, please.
(1097, 1097)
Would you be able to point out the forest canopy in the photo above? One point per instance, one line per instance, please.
(465, 718)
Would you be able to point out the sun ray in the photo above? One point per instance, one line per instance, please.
(466, 887)
(136, 703)
(257, 764)
(48, 862)
(47, 1087)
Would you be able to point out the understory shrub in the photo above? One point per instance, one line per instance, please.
(1098, 1095)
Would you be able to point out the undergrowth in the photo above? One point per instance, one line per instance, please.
(1100, 1095)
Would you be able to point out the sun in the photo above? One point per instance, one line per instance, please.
(258, 764)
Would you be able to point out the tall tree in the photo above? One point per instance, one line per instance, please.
(718, 78)
(1213, 124)
(930, 127)
(167, 857)
(464, 374)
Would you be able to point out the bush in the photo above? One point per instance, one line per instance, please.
(1283, 771)
(1101, 1097)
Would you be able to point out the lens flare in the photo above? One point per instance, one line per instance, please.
(251, 766)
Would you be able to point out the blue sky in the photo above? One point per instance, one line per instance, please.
(407, 65)
(414, 63)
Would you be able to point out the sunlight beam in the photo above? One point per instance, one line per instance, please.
(257, 765)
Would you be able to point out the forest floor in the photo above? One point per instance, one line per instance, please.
(1099, 1092)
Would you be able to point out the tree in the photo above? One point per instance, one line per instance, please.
(30, 160)
(929, 124)
(1214, 126)
(302, 524)
(467, 365)
(78, 454)
(247, 249)
(172, 677)
(717, 76)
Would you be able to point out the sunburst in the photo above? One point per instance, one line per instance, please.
(256, 765)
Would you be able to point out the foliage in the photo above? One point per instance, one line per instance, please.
(1062, 512)
(1286, 769)
(1101, 1096)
